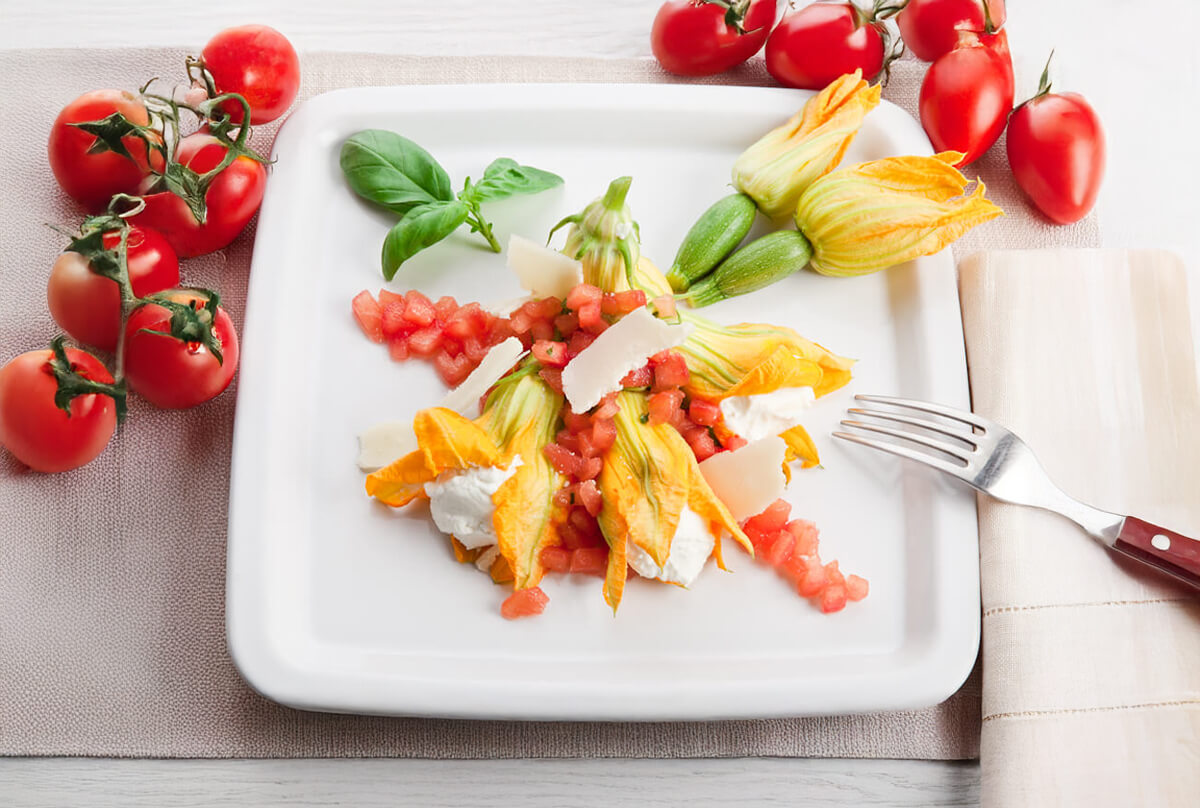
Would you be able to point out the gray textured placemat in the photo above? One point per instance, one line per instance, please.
(112, 576)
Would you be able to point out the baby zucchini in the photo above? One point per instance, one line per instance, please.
(760, 263)
(714, 235)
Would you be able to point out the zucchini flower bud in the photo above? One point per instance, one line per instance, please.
(885, 212)
(752, 358)
(604, 238)
(784, 162)
(649, 477)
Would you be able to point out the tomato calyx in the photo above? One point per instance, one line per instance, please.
(72, 384)
(191, 321)
(110, 134)
(735, 13)
(1044, 83)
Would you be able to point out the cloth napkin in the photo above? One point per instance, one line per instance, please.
(1091, 669)
(112, 577)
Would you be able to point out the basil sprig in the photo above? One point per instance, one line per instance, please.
(391, 171)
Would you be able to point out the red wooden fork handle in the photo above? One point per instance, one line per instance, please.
(1171, 552)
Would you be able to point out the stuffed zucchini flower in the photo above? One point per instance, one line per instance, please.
(884, 212)
(785, 161)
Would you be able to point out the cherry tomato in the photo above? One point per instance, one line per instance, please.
(1056, 149)
(169, 372)
(817, 44)
(232, 198)
(930, 28)
(258, 63)
(694, 39)
(35, 430)
(90, 177)
(88, 306)
(967, 95)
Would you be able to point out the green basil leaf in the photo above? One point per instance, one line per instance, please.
(421, 227)
(506, 177)
(390, 170)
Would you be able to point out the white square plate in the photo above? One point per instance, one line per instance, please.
(337, 603)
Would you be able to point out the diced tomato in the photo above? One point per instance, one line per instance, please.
(418, 309)
(622, 302)
(833, 574)
(589, 496)
(575, 421)
(369, 315)
(757, 537)
(664, 305)
(665, 407)
(639, 377)
(556, 559)
(426, 341)
(398, 349)
(604, 434)
(671, 371)
(563, 459)
(582, 295)
(450, 345)
(445, 307)
(579, 340)
(520, 322)
(452, 369)
(542, 330)
(474, 349)
(813, 582)
(566, 324)
(777, 550)
(580, 530)
(571, 538)
(549, 307)
(796, 567)
(459, 325)
(500, 330)
(565, 496)
(833, 599)
(701, 441)
(704, 412)
(806, 536)
(589, 561)
(387, 297)
(590, 469)
(524, 603)
(734, 442)
(591, 320)
(393, 322)
(771, 520)
(549, 353)
(586, 447)
(608, 407)
(856, 588)
(568, 440)
(553, 378)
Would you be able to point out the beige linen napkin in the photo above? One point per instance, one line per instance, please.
(1091, 668)
(112, 577)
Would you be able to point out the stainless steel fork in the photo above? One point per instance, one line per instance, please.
(989, 457)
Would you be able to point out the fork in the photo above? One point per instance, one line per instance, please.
(992, 459)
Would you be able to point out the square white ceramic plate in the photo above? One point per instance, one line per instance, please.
(337, 603)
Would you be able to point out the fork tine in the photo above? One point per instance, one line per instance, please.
(910, 454)
(936, 409)
(923, 423)
(958, 453)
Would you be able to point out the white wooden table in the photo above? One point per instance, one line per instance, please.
(1136, 65)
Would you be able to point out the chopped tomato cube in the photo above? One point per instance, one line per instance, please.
(586, 526)
(833, 574)
(556, 559)
(704, 412)
(520, 322)
(369, 315)
(833, 599)
(524, 603)
(566, 324)
(552, 377)
(806, 536)
(589, 561)
(452, 369)
(418, 309)
(813, 582)
(573, 538)
(664, 305)
(778, 549)
(856, 588)
(604, 434)
(591, 320)
(392, 321)
(426, 341)
(622, 302)
(460, 326)
(582, 295)
(734, 442)
(579, 340)
(565, 496)
(757, 537)
(608, 407)
(542, 330)
(589, 496)
(563, 459)
(638, 377)
(586, 447)
(590, 469)
(575, 421)
(450, 345)
(500, 330)
(568, 440)
(474, 349)
(549, 353)
(702, 443)
(398, 349)
(665, 407)
(445, 307)
(672, 371)
(548, 308)
(773, 519)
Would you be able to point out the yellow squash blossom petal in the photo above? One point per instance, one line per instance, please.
(648, 477)
(776, 170)
(402, 481)
(800, 446)
(885, 212)
(753, 358)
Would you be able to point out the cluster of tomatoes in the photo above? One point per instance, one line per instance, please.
(155, 195)
(1055, 142)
